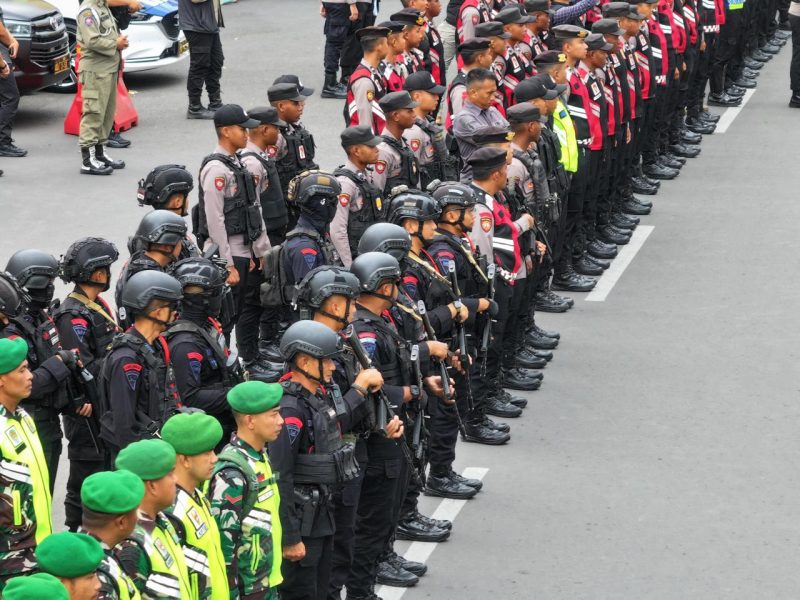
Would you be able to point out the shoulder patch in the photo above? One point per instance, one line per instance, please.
(415, 144)
(195, 363)
(369, 341)
(380, 167)
(132, 372)
(310, 256)
(80, 327)
(219, 183)
(475, 19)
(410, 282)
(370, 95)
(272, 151)
(293, 426)
(344, 200)
(486, 222)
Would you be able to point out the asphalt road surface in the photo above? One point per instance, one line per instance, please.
(660, 457)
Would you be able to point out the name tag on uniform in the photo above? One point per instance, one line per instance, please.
(200, 527)
(595, 89)
(429, 151)
(515, 63)
(301, 150)
(378, 203)
(14, 437)
(162, 550)
(265, 494)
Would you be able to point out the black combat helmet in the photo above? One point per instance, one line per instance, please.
(158, 227)
(162, 182)
(84, 257)
(373, 268)
(413, 204)
(451, 193)
(200, 272)
(323, 282)
(315, 190)
(33, 269)
(385, 237)
(311, 338)
(12, 298)
(145, 286)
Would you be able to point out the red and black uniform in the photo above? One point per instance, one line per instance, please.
(351, 109)
(471, 13)
(436, 65)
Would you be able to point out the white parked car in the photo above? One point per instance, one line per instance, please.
(154, 35)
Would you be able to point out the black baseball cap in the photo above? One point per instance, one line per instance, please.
(285, 91)
(487, 158)
(550, 57)
(360, 134)
(616, 9)
(492, 134)
(396, 101)
(305, 91)
(597, 41)
(233, 114)
(392, 26)
(266, 115)
(550, 83)
(408, 17)
(569, 32)
(532, 88)
(422, 81)
(513, 14)
(537, 5)
(491, 29)
(524, 112)
(370, 33)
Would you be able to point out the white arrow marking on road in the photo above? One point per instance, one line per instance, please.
(609, 279)
(730, 114)
(421, 551)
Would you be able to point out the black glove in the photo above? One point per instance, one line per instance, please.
(69, 358)
(494, 308)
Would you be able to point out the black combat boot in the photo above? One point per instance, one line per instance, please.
(442, 483)
(198, 111)
(92, 166)
(100, 154)
(332, 88)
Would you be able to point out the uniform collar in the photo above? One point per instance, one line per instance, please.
(17, 414)
(253, 148)
(220, 150)
(251, 452)
(351, 167)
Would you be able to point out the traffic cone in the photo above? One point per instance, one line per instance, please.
(125, 116)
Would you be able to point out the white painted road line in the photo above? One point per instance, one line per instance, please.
(421, 551)
(606, 283)
(730, 114)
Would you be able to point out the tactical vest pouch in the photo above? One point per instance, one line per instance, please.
(235, 213)
(272, 288)
(308, 502)
(253, 215)
(315, 469)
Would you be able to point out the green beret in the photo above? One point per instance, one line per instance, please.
(69, 555)
(192, 433)
(112, 492)
(149, 459)
(12, 353)
(255, 397)
(38, 585)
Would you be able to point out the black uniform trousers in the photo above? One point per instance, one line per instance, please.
(649, 128)
(697, 87)
(595, 177)
(727, 53)
(444, 425)
(338, 28)
(79, 470)
(307, 579)
(794, 68)
(374, 523)
(9, 101)
(513, 330)
(494, 356)
(351, 53)
(205, 65)
(574, 210)
(247, 299)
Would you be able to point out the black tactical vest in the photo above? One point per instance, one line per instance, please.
(229, 369)
(273, 204)
(242, 215)
(43, 343)
(373, 209)
(299, 155)
(101, 330)
(443, 166)
(409, 167)
(396, 367)
(471, 274)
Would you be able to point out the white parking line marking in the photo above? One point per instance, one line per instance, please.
(730, 114)
(619, 264)
(421, 551)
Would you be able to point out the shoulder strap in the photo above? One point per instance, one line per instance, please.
(241, 464)
(263, 160)
(91, 304)
(189, 327)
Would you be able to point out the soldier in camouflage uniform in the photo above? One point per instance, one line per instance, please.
(25, 504)
(244, 494)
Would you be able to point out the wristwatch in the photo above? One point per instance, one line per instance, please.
(416, 394)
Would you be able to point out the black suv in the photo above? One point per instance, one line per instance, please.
(44, 54)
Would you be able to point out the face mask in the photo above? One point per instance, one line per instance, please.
(42, 297)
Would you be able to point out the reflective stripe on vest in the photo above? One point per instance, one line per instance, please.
(202, 551)
(268, 501)
(125, 587)
(23, 461)
(169, 576)
(565, 130)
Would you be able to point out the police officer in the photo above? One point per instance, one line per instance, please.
(295, 148)
(194, 436)
(9, 92)
(339, 17)
(396, 163)
(152, 555)
(366, 85)
(244, 494)
(427, 139)
(205, 368)
(85, 323)
(229, 215)
(137, 378)
(311, 455)
(101, 60)
(110, 502)
(20, 446)
(35, 271)
(157, 243)
(74, 559)
(360, 202)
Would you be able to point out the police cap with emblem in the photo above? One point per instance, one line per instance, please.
(537, 5)
(634, 14)
(422, 81)
(491, 134)
(285, 91)
(615, 10)
(491, 29)
(473, 45)
(38, 585)
(305, 91)
(112, 492)
(408, 17)
(148, 459)
(393, 26)
(233, 114)
(192, 433)
(551, 57)
(396, 101)
(486, 160)
(524, 112)
(569, 32)
(266, 115)
(360, 134)
(513, 14)
(255, 397)
(371, 33)
(596, 41)
(609, 26)
(12, 353)
(67, 554)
